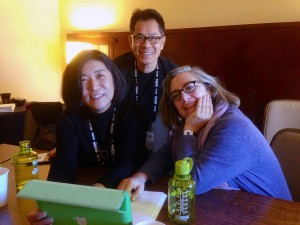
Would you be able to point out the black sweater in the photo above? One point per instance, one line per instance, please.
(75, 145)
(146, 82)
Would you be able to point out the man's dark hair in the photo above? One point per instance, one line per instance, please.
(147, 14)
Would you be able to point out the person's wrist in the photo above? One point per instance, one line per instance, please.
(141, 176)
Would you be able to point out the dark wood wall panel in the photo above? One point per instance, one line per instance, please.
(258, 62)
(119, 44)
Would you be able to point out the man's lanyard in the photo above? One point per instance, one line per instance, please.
(155, 88)
(102, 155)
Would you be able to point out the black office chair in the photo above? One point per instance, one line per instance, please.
(40, 124)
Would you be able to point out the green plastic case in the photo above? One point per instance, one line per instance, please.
(77, 204)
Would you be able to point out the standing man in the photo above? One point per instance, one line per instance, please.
(144, 70)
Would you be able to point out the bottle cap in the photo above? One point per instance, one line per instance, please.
(24, 147)
(184, 166)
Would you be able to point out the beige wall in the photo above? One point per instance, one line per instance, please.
(30, 49)
(32, 33)
(190, 13)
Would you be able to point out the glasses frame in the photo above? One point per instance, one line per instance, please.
(144, 38)
(185, 91)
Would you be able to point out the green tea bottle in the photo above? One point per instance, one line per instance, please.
(181, 193)
(25, 165)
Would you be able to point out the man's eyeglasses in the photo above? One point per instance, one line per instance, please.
(141, 39)
(188, 88)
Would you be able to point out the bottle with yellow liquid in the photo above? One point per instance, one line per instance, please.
(25, 165)
(181, 193)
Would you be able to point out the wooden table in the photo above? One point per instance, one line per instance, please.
(214, 207)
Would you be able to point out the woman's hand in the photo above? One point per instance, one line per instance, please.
(39, 218)
(201, 115)
(134, 185)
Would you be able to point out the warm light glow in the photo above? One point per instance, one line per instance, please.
(92, 17)
(72, 48)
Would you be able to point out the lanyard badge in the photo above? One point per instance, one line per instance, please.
(150, 137)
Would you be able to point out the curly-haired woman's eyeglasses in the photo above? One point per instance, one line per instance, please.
(188, 88)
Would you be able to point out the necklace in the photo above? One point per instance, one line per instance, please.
(103, 154)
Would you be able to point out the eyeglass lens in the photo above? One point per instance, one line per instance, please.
(188, 88)
(151, 39)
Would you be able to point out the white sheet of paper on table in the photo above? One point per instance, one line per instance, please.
(147, 206)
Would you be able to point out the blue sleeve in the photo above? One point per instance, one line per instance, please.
(235, 152)
(226, 154)
(160, 163)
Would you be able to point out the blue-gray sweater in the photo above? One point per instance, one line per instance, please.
(235, 152)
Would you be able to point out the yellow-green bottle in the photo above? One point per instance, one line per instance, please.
(181, 193)
(25, 165)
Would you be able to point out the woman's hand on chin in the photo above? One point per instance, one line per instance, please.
(201, 115)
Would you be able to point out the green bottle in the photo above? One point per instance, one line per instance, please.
(181, 193)
(25, 165)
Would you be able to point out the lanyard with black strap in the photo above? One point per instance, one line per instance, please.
(102, 153)
(150, 131)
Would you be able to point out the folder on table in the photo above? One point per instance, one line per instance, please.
(78, 204)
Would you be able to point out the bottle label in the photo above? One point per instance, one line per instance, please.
(181, 201)
(182, 183)
(35, 167)
(35, 171)
(183, 205)
(35, 162)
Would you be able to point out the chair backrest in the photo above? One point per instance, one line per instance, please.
(40, 124)
(286, 146)
(281, 114)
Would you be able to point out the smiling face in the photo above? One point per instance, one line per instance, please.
(146, 53)
(187, 103)
(97, 86)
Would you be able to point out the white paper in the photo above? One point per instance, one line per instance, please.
(7, 107)
(147, 206)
